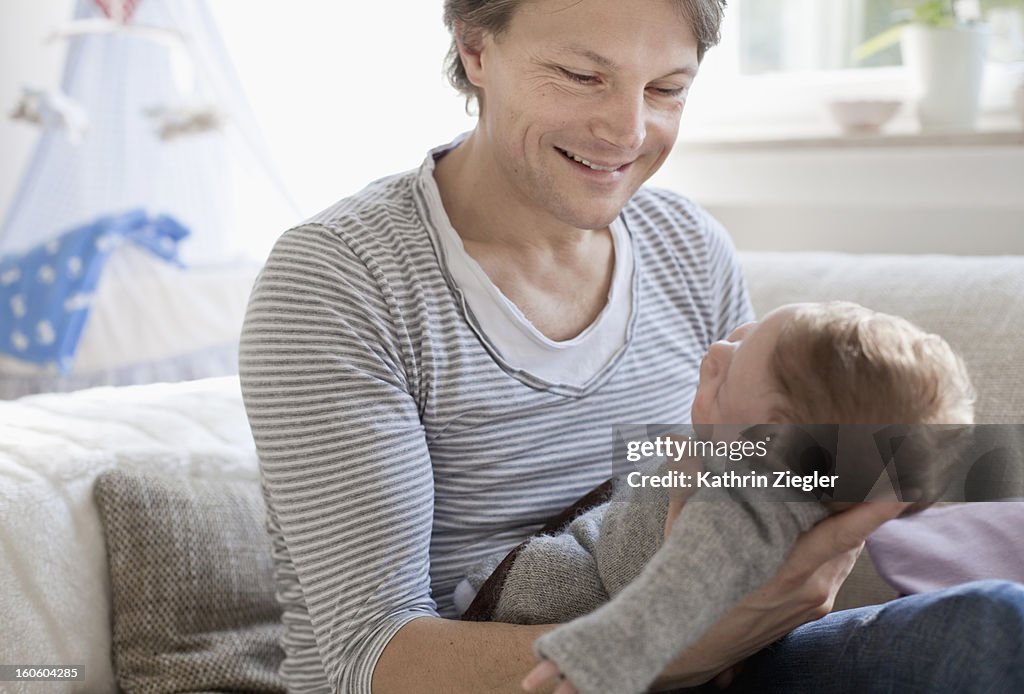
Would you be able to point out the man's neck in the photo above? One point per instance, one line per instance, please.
(557, 275)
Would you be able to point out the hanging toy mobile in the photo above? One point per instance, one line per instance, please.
(51, 108)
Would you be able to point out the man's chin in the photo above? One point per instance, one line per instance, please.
(594, 219)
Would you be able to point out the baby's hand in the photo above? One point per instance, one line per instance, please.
(542, 674)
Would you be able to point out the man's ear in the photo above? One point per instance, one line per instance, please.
(470, 42)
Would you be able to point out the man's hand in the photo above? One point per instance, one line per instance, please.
(803, 590)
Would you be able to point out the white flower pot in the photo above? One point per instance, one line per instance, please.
(1019, 97)
(946, 67)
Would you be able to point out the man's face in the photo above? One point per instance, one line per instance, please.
(602, 81)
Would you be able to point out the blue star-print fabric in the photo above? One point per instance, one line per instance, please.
(46, 293)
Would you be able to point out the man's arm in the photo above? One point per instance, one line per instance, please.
(344, 460)
(443, 655)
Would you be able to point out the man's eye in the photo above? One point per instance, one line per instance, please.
(670, 91)
(578, 77)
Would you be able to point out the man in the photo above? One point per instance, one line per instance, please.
(431, 367)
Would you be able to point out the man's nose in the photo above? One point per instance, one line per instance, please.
(621, 120)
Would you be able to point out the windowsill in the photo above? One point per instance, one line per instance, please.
(788, 110)
(991, 130)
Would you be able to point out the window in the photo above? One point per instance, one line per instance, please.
(795, 35)
(803, 35)
(781, 61)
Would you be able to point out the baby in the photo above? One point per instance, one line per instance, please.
(807, 364)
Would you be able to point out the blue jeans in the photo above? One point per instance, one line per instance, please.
(969, 638)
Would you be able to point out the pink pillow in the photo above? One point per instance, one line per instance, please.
(942, 547)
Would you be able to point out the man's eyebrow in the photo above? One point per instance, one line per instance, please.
(609, 64)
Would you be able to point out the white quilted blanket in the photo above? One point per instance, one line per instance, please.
(54, 594)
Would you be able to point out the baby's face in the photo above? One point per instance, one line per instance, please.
(736, 382)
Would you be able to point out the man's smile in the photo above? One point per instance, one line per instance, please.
(593, 165)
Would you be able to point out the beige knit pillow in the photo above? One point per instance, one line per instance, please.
(192, 584)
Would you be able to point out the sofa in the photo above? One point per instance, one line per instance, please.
(132, 544)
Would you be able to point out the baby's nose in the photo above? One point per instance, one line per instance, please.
(714, 359)
(739, 333)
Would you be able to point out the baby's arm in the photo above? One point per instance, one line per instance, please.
(550, 578)
(717, 552)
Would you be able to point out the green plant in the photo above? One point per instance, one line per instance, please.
(934, 13)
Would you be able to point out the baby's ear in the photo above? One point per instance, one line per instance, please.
(780, 411)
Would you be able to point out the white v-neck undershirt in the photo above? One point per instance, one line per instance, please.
(567, 362)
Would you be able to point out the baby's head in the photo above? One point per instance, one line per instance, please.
(840, 363)
(832, 363)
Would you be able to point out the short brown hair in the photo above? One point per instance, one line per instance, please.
(840, 363)
(493, 17)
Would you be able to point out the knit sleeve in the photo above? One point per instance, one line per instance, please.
(346, 470)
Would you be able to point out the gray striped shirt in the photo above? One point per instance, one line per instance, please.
(398, 448)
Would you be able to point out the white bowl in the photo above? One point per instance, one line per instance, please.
(863, 115)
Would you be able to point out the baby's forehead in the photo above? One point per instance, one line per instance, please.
(806, 319)
(770, 327)
(787, 312)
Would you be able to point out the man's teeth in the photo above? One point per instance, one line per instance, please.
(583, 161)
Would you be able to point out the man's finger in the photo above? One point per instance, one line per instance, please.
(844, 532)
(544, 671)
